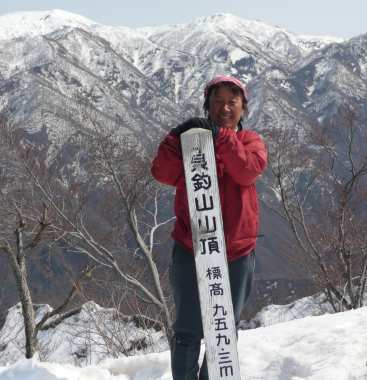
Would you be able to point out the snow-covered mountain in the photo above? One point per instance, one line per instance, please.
(153, 77)
(144, 81)
(157, 72)
(31, 24)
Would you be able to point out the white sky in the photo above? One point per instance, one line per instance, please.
(317, 17)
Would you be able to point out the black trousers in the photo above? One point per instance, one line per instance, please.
(188, 329)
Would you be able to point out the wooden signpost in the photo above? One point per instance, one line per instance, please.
(210, 255)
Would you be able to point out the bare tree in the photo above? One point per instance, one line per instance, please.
(321, 187)
(113, 333)
(25, 226)
(112, 214)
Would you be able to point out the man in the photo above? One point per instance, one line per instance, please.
(240, 158)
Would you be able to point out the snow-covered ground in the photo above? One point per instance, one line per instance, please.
(324, 347)
(327, 347)
(92, 335)
(301, 308)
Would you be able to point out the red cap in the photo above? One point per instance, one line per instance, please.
(226, 79)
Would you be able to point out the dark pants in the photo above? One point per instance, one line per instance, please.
(188, 330)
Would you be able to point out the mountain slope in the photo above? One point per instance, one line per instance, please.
(144, 81)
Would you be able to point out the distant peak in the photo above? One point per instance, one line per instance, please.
(259, 30)
(48, 15)
(216, 17)
(17, 24)
(231, 18)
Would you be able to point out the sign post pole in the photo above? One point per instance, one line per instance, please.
(210, 255)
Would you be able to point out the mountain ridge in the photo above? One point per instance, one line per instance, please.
(20, 23)
(145, 82)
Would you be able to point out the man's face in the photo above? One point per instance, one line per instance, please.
(225, 107)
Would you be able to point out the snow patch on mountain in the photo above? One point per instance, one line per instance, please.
(28, 24)
(237, 54)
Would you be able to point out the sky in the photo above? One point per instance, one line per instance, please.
(314, 17)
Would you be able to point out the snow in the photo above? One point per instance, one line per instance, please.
(324, 347)
(287, 342)
(237, 54)
(78, 339)
(328, 346)
(18, 24)
(35, 370)
(274, 314)
(169, 56)
(325, 38)
(264, 32)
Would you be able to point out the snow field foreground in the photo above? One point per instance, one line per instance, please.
(327, 347)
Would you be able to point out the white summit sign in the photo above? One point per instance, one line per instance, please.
(210, 254)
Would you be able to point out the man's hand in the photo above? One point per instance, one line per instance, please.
(196, 122)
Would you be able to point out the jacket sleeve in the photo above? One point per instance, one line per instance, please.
(167, 166)
(244, 155)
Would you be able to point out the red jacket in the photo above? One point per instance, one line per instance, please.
(241, 157)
